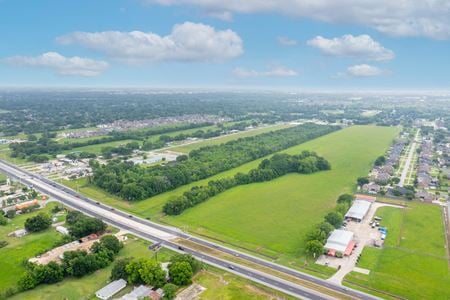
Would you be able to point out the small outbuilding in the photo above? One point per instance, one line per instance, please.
(340, 242)
(111, 289)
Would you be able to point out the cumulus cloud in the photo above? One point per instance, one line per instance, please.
(285, 41)
(276, 71)
(361, 47)
(398, 18)
(187, 42)
(70, 66)
(364, 70)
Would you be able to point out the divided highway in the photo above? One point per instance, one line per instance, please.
(166, 236)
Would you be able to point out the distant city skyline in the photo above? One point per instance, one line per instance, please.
(284, 44)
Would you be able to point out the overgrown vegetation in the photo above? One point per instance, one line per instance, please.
(81, 225)
(74, 263)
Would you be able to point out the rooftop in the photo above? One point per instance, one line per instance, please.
(111, 289)
(339, 240)
(358, 210)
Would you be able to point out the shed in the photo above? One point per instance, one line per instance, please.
(358, 210)
(111, 289)
(340, 241)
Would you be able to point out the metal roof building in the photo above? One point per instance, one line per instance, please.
(358, 210)
(138, 293)
(111, 289)
(340, 241)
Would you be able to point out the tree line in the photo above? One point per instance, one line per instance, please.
(317, 237)
(134, 182)
(39, 149)
(35, 148)
(278, 165)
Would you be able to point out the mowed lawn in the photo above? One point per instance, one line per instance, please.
(413, 263)
(276, 215)
(152, 207)
(20, 249)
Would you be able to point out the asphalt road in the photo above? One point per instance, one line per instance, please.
(164, 234)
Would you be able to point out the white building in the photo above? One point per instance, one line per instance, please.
(358, 210)
(340, 241)
(111, 289)
(138, 293)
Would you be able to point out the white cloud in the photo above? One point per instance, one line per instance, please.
(70, 66)
(361, 47)
(364, 70)
(285, 41)
(399, 18)
(222, 15)
(187, 42)
(276, 71)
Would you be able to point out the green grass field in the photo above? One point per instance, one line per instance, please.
(276, 215)
(272, 217)
(19, 249)
(413, 263)
(219, 284)
(227, 138)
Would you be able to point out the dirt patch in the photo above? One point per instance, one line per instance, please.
(191, 292)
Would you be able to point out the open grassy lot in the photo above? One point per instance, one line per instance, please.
(276, 215)
(98, 148)
(272, 217)
(227, 138)
(20, 249)
(219, 284)
(413, 263)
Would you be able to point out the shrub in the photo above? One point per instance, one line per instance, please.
(38, 223)
(181, 273)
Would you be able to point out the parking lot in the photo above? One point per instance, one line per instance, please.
(365, 235)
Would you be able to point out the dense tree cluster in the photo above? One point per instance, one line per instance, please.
(182, 268)
(317, 237)
(380, 161)
(74, 263)
(38, 223)
(134, 182)
(81, 225)
(278, 165)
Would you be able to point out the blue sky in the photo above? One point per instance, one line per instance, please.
(208, 43)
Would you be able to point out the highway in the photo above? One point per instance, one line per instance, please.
(165, 235)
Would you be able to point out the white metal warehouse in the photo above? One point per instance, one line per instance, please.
(111, 289)
(340, 241)
(358, 210)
